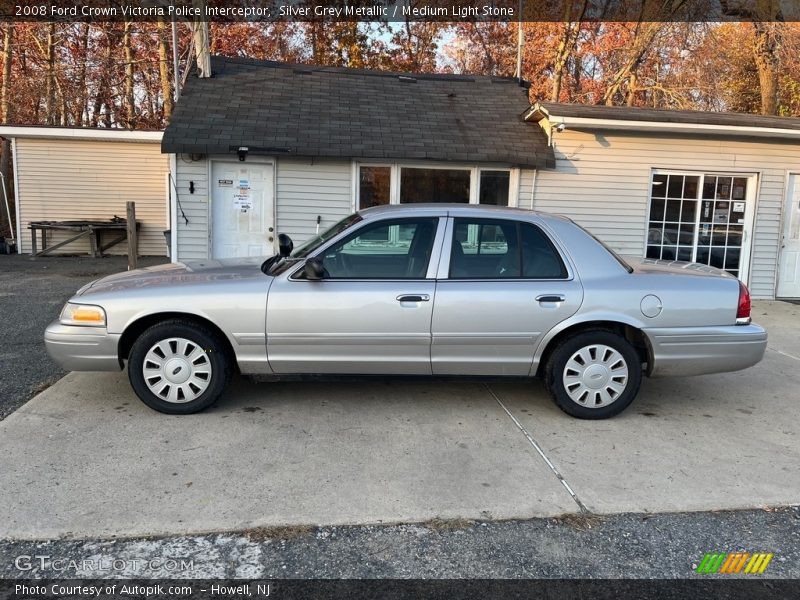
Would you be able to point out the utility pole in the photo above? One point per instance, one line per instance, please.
(201, 42)
(520, 42)
(176, 66)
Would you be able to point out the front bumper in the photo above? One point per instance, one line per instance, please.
(702, 350)
(82, 348)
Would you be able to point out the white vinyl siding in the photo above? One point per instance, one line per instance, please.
(602, 182)
(525, 192)
(69, 180)
(193, 238)
(307, 189)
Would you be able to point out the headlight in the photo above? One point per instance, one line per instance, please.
(83, 314)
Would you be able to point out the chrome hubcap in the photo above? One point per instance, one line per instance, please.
(595, 376)
(177, 370)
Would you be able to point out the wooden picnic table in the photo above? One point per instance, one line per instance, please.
(96, 231)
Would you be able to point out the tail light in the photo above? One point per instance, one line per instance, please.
(743, 311)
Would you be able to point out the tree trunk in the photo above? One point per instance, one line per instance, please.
(765, 52)
(566, 47)
(5, 147)
(129, 101)
(50, 58)
(163, 70)
(79, 110)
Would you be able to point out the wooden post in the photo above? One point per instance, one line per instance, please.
(132, 241)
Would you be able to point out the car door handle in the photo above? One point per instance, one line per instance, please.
(551, 298)
(413, 298)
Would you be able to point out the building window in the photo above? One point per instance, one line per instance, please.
(494, 187)
(374, 186)
(400, 184)
(699, 218)
(434, 185)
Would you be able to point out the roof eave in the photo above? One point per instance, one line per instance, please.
(538, 113)
(67, 133)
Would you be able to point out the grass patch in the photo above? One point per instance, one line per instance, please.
(581, 521)
(446, 525)
(287, 532)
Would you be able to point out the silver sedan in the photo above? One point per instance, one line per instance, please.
(416, 290)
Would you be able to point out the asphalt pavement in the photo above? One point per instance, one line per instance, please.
(32, 292)
(618, 546)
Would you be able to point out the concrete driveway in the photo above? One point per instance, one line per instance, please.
(86, 459)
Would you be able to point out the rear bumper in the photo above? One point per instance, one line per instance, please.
(82, 348)
(702, 350)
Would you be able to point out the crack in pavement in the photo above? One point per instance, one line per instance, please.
(538, 448)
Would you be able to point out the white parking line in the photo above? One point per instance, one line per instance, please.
(784, 353)
(538, 448)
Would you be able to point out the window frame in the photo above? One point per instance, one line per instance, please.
(443, 273)
(395, 178)
(748, 226)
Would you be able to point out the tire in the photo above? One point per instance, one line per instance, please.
(604, 385)
(179, 367)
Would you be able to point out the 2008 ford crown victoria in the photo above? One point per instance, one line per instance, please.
(416, 290)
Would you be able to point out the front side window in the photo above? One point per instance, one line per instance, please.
(503, 249)
(390, 249)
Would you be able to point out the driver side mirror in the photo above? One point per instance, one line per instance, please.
(313, 269)
(285, 245)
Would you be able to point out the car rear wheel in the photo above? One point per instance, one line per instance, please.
(594, 374)
(179, 367)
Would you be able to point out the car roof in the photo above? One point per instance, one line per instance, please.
(451, 209)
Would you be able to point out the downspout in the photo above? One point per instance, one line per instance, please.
(173, 208)
(17, 194)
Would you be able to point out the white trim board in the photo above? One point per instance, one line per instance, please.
(68, 133)
(588, 123)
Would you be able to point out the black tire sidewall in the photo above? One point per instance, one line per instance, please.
(559, 358)
(203, 337)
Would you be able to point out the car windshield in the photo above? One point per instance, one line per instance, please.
(319, 239)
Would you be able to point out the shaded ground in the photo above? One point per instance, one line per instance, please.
(628, 545)
(32, 293)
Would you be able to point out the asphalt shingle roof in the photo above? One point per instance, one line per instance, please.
(298, 110)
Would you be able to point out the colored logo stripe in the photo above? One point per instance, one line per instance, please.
(734, 562)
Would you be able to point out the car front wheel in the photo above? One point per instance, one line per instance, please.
(594, 374)
(179, 367)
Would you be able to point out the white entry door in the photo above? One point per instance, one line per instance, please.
(789, 273)
(241, 210)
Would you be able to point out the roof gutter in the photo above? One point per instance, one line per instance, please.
(538, 114)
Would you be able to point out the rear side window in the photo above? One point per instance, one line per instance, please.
(502, 249)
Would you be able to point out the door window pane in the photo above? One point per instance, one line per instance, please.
(485, 249)
(489, 249)
(494, 187)
(373, 186)
(434, 185)
(540, 259)
(396, 249)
